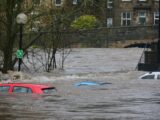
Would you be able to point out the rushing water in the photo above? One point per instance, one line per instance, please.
(125, 97)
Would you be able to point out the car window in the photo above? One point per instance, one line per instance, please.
(4, 88)
(158, 76)
(49, 90)
(22, 90)
(148, 77)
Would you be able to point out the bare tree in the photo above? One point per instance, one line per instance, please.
(56, 23)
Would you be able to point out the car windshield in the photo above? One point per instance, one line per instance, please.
(148, 77)
(49, 90)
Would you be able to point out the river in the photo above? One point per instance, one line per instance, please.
(125, 97)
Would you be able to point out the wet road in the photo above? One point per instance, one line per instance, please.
(126, 98)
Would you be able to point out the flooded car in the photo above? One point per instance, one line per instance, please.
(151, 75)
(26, 88)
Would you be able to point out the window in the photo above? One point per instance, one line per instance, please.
(126, 19)
(142, 18)
(49, 90)
(35, 26)
(36, 2)
(22, 90)
(148, 77)
(109, 22)
(156, 18)
(34, 13)
(4, 88)
(142, 0)
(109, 4)
(58, 2)
(126, 0)
(75, 2)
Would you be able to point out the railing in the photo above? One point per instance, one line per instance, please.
(103, 37)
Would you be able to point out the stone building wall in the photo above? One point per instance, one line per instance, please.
(134, 7)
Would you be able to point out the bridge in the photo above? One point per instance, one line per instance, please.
(133, 43)
(117, 36)
(133, 36)
(124, 37)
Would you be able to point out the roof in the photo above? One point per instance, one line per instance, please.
(26, 85)
(154, 72)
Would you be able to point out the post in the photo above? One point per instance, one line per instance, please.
(107, 37)
(158, 52)
(20, 46)
(21, 20)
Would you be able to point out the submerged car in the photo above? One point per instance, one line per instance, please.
(26, 88)
(151, 75)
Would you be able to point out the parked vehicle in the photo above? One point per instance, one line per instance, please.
(151, 75)
(26, 88)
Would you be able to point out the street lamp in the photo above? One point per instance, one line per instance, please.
(21, 20)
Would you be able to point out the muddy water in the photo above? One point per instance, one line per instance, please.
(125, 97)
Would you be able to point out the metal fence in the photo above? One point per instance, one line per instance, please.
(100, 37)
(104, 37)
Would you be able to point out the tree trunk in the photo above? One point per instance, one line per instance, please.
(7, 52)
(7, 60)
(9, 41)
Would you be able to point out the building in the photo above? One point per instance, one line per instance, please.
(132, 12)
(118, 12)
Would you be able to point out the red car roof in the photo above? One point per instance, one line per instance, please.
(36, 88)
(26, 85)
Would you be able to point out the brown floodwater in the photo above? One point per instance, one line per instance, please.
(125, 97)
